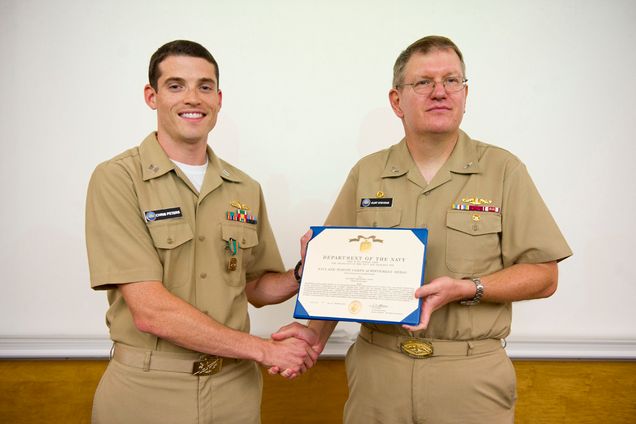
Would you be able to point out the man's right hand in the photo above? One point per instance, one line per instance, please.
(293, 355)
(297, 331)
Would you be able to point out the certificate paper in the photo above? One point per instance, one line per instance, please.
(363, 274)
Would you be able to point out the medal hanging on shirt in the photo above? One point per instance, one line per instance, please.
(232, 248)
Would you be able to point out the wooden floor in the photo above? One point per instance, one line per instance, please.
(550, 392)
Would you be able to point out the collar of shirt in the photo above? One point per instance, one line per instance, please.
(464, 159)
(156, 163)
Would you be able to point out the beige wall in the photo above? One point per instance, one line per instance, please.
(305, 88)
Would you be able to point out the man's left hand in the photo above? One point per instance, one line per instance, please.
(437, 293)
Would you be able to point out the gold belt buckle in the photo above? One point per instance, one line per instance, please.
(207, 365)
(416, 348)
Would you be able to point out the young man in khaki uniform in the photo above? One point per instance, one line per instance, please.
(181, 241)
(491, 242)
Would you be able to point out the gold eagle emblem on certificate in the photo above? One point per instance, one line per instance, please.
(366, 243)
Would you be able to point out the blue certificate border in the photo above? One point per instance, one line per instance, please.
(412, 319)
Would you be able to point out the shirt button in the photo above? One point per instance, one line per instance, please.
(169, 240)
(203, 275)
(201, 238)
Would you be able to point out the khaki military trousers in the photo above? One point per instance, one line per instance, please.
(142, 392)
(470, 383)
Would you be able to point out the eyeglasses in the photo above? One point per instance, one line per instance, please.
(426, 86)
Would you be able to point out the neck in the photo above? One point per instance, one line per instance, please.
(184, 152)
(430, 152)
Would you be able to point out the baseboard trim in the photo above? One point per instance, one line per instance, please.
(601, 349)
(99, 347)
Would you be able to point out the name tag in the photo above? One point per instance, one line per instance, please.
(384, 202)
(160, 214)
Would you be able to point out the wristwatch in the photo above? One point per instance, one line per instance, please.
(479, 292)
(297, 276)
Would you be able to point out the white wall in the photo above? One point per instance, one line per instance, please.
(305, 96)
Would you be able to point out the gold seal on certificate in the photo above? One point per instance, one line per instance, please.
(354, 307)
(363, 274)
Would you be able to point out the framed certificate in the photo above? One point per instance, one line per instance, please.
(363, 274)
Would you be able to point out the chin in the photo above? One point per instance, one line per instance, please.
(192, 138)
(443, 128)
(437, 130)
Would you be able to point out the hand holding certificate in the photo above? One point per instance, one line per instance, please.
(363, 274)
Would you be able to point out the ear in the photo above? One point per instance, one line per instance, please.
(465, 97)
(394, 99)
(150, 96)
(220, 94)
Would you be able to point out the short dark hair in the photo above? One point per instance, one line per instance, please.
(424, 46)
(178, 48)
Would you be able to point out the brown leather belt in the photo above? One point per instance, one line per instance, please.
(190, 363)
(419, 348)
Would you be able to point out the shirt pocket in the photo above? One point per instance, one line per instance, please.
(246, 238)
(171, 239)
(378, 218)
(473, 242)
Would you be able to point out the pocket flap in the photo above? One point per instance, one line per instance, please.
(170, 234)
(474, 223)
(246, 236)
(378, 218)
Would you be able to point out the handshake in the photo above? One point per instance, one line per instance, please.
(293, 350)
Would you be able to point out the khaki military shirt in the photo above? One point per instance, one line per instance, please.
(461, 243)
(146, 222)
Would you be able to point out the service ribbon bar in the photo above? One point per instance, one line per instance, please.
(478, 208)
(241, 215)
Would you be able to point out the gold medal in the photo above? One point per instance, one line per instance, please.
(232, 263)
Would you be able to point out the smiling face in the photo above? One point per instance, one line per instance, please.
(438, 113)
(187, 100)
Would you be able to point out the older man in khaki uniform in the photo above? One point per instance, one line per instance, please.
(491, 241)
(181, 241)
